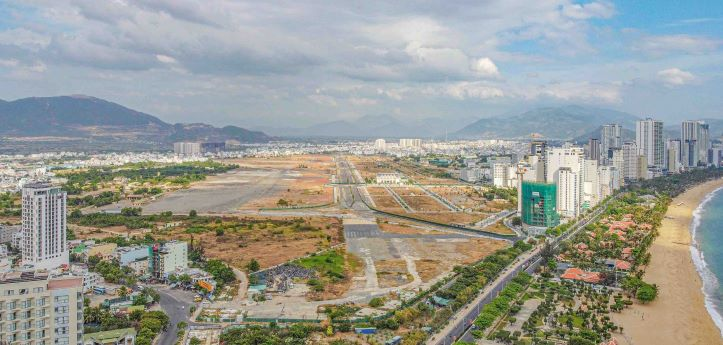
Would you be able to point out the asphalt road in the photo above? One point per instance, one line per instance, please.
(176, 304)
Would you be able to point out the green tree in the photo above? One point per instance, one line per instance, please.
(253, 265)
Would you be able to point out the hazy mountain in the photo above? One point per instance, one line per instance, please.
(565, 122)
(376, 126)
(85, 116)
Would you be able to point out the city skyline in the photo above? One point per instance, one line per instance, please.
(319, 62)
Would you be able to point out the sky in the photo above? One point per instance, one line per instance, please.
(297, 63)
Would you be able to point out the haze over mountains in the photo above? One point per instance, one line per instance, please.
(85, 116)
(90, 117)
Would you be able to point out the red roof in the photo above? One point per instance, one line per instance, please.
(581, 275)
(622, 265)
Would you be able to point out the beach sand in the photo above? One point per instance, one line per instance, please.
(678, 315)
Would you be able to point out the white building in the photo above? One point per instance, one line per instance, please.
(618, 161)
(591, 184)
(170, 257)
(568, 192)
(44, 229)
(389, 178)
(570, 159)
(649, 138)
(609, 180)
(410, 143)
(500, 174)
(187, 148)
(471, 175)
(610, 138)
(695, 136)
(7, 232)
(380, 145)
(673, 162)
(631, 171)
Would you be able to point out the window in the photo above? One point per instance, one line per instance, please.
(40, 323)
(61, 330)
(61, 320)
(40, 302)
(38, 289)
(9, 292)
(61, 310)
(61, 299)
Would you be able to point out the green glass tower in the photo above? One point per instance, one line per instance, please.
(539, 204)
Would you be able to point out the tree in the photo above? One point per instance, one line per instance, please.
(131, 211)
(647, 293)
(192, 214)
(253, 265)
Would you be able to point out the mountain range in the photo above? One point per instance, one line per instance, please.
(89, 117)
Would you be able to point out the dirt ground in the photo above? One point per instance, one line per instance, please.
(369, 166)
(442, 255)
(418, 200)
(404, 228)
(303, 183)
(91, 233)
(392, 273)
(500, 228)
(269, 244)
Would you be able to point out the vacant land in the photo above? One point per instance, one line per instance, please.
(302, 183)
(370, 166)
(392, 273)
(404, 228)
(500, 228)
(271, 241)
(335, 269)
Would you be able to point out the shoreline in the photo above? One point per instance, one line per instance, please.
(710, 281)
(680, 314)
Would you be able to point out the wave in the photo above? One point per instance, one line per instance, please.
(710, 281)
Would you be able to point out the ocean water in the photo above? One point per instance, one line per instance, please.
(707, 252)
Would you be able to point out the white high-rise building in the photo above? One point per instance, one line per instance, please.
(380, 145)
(500, 174)
(187, 148)
(673, 162)
(630, 161)
(571, 160)
(618, 161)
(591, 184)
(568, 192)
(610, 138)
(609, 181)
(404, 143)
(44, 243)
(695, 138)
(649, 138)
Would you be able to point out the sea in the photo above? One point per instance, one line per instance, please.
(707, 252)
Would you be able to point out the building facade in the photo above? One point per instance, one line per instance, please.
(168, 258)
(44, 243)
(36, 310)
(610, 138)
(539, 202)
(649, 138)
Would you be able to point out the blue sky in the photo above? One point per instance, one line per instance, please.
(296, 63)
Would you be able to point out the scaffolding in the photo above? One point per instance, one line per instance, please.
(539, 204)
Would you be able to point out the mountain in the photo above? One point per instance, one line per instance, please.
(376, 126)
(89, 117)
(564, 122)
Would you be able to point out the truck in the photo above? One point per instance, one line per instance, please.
(394, 341)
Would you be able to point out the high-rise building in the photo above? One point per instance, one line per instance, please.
(673, 162)
(630, 161)
(168, 258)
(609, 180)
(643, 170)
(405, 143)
(617, 160)
(610, 138)
(571, 159)
(569, 201)
(649, 138)
(593, 151)
(539, 204)
(187, 148)
(538, 147)
(40, 310)
(44, 243)
(591, 184)
(695, 137)
(380, 145)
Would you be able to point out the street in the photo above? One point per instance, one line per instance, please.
(176, 304)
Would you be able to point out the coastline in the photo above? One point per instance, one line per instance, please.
(680, 314)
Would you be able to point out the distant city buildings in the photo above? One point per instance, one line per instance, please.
(380, 145)
(410, 143)
(695, 141)
(610, 138)
(44, 243)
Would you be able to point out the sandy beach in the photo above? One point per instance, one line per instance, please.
(678, 316)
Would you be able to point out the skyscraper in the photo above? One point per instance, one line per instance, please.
(630, 162)
(43, 226)
(673, 161)
(610, 138)
(649, 138)
(593, 151)
(565, 169)
(695, 138)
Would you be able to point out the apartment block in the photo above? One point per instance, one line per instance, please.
(38, 310)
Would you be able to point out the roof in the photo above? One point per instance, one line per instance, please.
(64, 283)
(22, 277)
(109, 336)
(581, 275)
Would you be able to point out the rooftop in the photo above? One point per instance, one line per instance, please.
(22, 277)
(109, 336)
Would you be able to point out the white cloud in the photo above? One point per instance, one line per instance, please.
(466, 90)
(166, 59)
(675, 77)
(484, 67)
(578, 91)
(362, 101)
(600, 9)
(323, 100)
(660, 45)
(24, 38)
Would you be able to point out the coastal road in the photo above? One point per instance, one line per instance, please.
(460, 325)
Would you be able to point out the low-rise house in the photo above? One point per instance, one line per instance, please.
(582, 275)
(103, 250)
(124, 336)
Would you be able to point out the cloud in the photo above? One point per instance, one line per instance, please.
(478, 90)
(669, 44)
(675, 77)
(166, 59)
(24, 38)
(362, 101)
(574, 91)
(484, 67)
(323, 100)
(601, 9)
